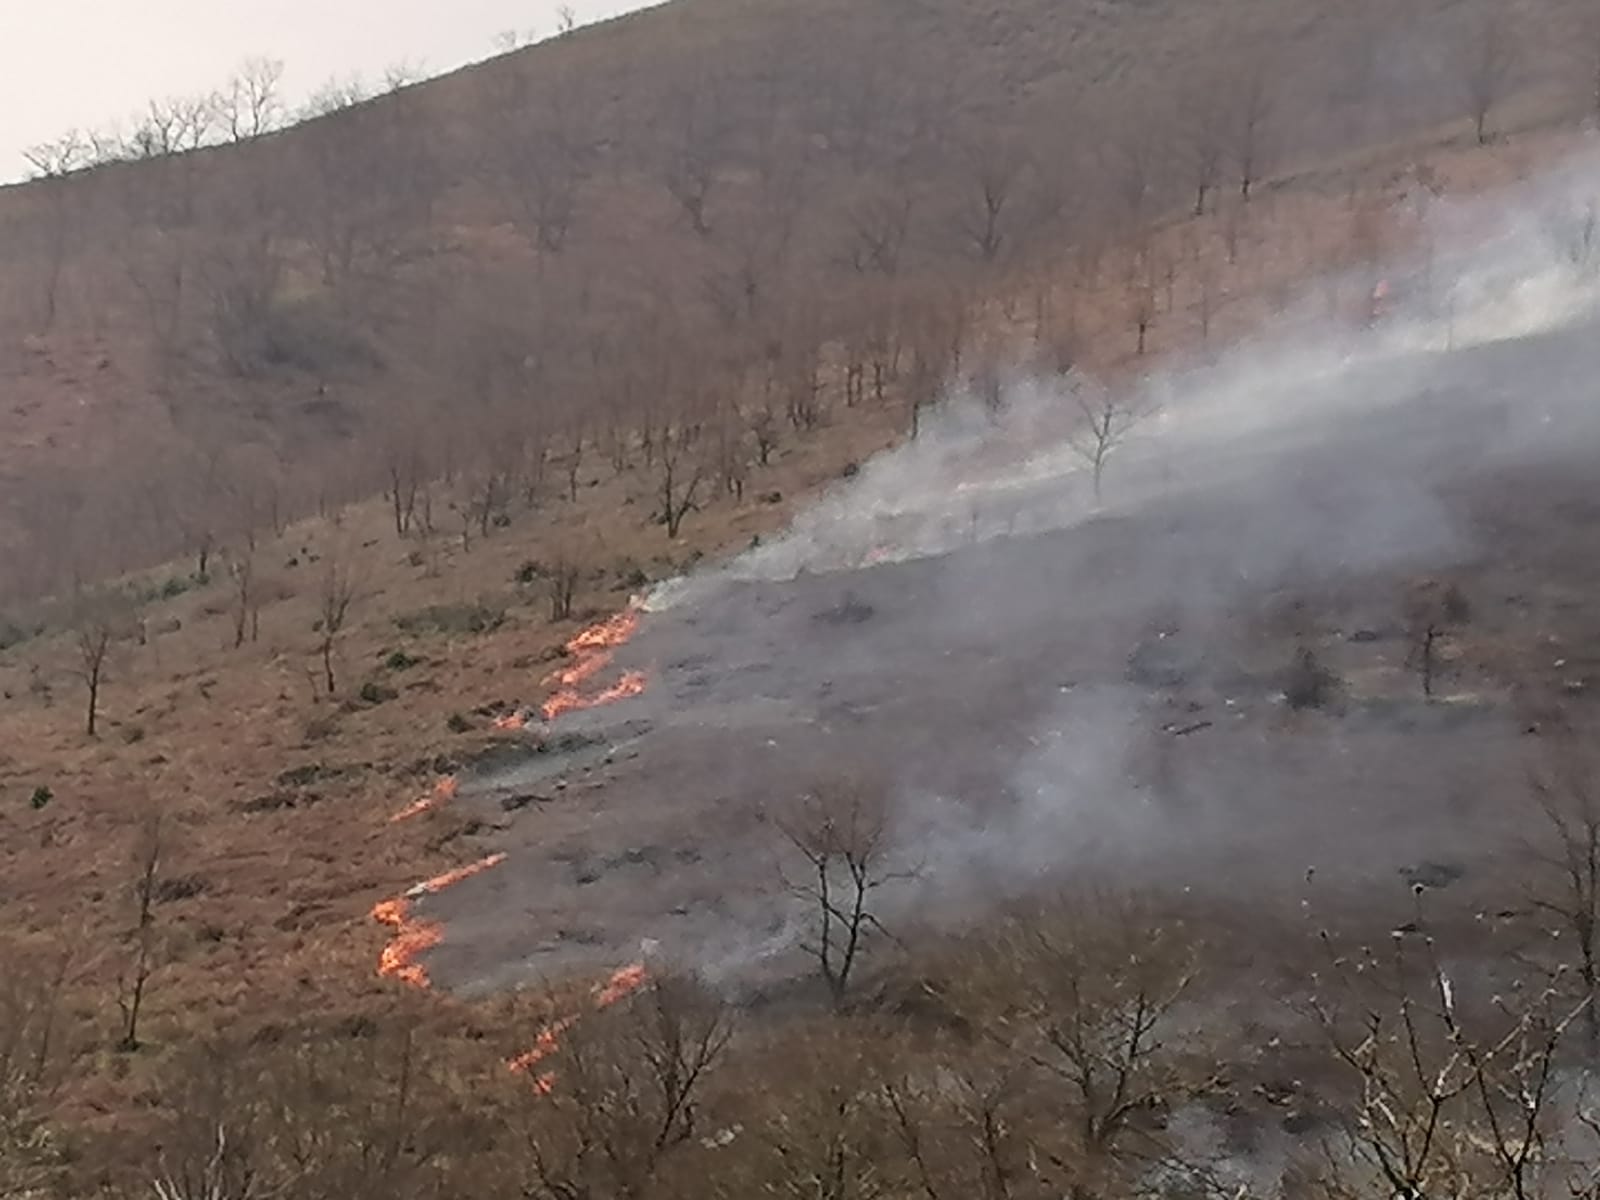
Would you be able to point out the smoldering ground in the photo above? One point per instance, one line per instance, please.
(1055, 685)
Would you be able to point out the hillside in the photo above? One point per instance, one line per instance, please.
(336, 441)
(508, 256)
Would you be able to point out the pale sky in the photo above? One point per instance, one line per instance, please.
(93, 63)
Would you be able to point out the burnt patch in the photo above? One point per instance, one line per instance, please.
(849, 611)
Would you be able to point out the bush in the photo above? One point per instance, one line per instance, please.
(41, 797)
(458, 724)
(453, 619)
(174, 587)
(399, 660)
(132, 734)
(373, 692)
(1309, 683)
(528, 572)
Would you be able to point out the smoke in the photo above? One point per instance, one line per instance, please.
(1511, 266)
(1311, 454)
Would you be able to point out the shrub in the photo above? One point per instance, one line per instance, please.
(458, 723)
(1309, 683)
(399, 660)
(41, 797)
(453, 619)
(373, 692)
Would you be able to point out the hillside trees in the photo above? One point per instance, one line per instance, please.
(839, 833)
(1487, 61)
(99, 618)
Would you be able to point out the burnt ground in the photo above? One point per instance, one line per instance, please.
(1101, 698)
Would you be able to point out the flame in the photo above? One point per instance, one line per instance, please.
(444, 789)
(591, 650)
(450, 878)
(588, 664)
(414, 936)
(624, 982)
(611, 632)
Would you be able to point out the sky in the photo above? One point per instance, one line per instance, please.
(68, 64)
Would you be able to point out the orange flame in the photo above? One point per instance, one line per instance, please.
(613, 631)
(414, 936)
(623, 982)
(591, 648)
(512, 720)
(630, 684)
(450, 878)
(444, 789)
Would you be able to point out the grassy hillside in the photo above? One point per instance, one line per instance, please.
(202, 342)
(564, 324)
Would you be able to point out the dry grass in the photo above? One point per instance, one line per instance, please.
(280, 797)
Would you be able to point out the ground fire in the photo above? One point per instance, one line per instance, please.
(591, 651)
(414, 936)
(444, 789)
(623, 982)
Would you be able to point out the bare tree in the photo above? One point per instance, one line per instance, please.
(251, 105)
(840, 833)
(1204, 123)
(134, 979)
(337, 592)
(1567, 888)
(994, 169)
(1105, 421)
(1443, 1089)
(53, 162)
(694, 146)
(246, 597)
(31, 986)
(99, 619)
(1432, 610)
(1080, 996)
(1251, 105)
(626, 1089)
(1488, 60)
(680, 470)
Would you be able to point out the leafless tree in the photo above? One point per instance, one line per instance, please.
(246, 597)
(53, 163)
(336, 594)
(1251, 106)
(1488, 60)
(1079, 996)
(994, 169)
(1432, 610)
(31, 994)
(133, 980)
(99, 619)
(840, 833)
(1444, 1089)
(623, 1098)
(1567, 888)
(1105, 421)
(251, 106)
(544, 154)
(1204, 124)
(694, 146)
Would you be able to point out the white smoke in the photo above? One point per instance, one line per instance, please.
(1512, 265)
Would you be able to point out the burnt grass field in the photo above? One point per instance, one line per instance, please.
(1065, 692)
